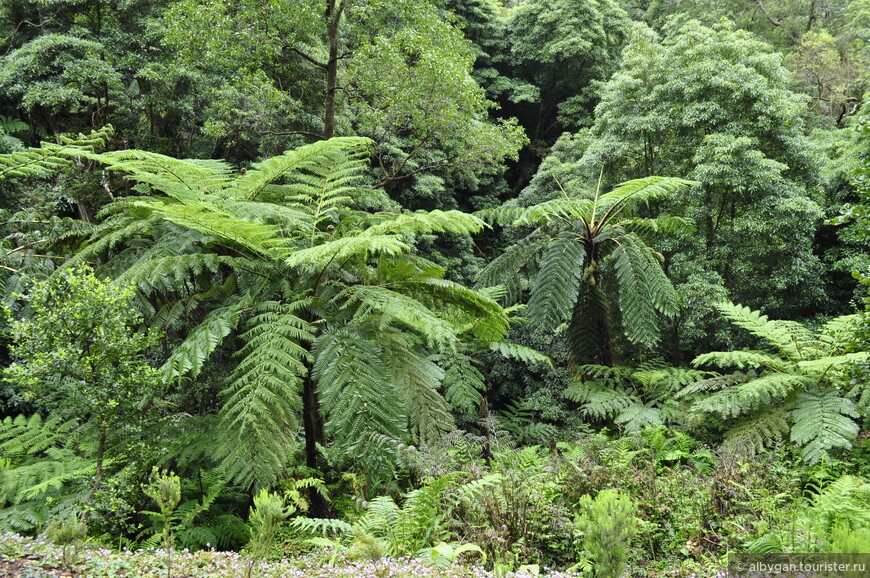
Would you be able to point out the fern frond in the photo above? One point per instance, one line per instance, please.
(329, 166)
(345, 248)
(741, 360)
(262, 399)
(527, 355)
(183, 179)
(394, 307)
(751, 395)
(640, 320)
(356, 390)
(554, 292)
(583, 336)
(504, 269)
(822, 422)
(463, 383)
(562, 208)
(50, 158)
(752, 434)
(503, 215)
(418, 379)
(635, 192)
(636, 418)
(189, 357)
(789, 338)
(832, 364)
(424, 222)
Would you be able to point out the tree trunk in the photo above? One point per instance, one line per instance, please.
(313, 422)
(333, 20)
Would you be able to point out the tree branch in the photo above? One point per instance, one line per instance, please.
(767, 14)
(310, 59)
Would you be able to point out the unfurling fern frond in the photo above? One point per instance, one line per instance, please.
(555, 290)
(822, 422)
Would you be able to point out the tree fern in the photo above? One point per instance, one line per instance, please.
(578, 238)
(799, 381)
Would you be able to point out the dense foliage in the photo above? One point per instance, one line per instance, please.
(498, 286)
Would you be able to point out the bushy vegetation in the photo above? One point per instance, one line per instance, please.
(437, 288)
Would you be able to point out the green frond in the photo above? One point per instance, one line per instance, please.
(527, 355)
(715, 383)
(663, 382)
(472, 313)
(636, 418)
(342, 249)
(562, 208)
(639, 291)
(395, 308)
(201, 341)
(505, 269)
(663, 224)
(356, 391)
(606, 403)
(425, 222)
(789, 338)
(184, 179)
(321, 526)
(418, 379)
(635, 192)
(50, 158)
(329, 165)
(262, 399)
(823, 420)
(258, 238)
(583, 334)
(463, 384)
(503, 215)
(749, 396)
(830, 366)
(166, 274)
(755, 432)
(742, 360)
(554, 292)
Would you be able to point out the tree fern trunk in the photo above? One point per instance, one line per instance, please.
(313, 422)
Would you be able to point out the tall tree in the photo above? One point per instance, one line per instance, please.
(397, 72)
(713, 104)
